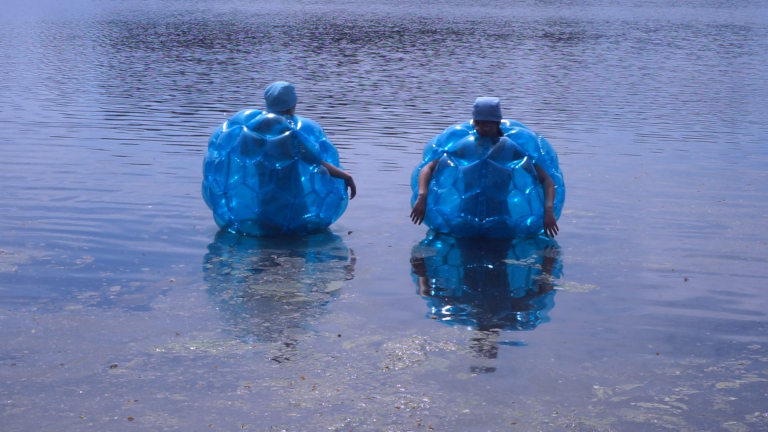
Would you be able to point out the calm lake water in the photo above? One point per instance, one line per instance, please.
(123, 307)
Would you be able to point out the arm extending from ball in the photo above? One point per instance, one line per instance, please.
(420, 206)
(339, 173)
(550, 221)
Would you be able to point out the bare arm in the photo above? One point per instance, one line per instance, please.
(339, 173)
(550, 222)
(420, 206)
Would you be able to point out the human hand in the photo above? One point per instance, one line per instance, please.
(550, 223)
(350, 183)
(419, 210)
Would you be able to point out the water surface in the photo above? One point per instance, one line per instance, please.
(123, 306)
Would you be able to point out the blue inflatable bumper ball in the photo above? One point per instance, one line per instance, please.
(263, 176)
(482, 188)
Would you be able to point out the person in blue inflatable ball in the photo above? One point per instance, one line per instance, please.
(488, 177)
(271, 172)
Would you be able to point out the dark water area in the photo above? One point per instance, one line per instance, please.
(123, 306)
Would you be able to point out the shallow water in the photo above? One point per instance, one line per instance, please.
(123, 306)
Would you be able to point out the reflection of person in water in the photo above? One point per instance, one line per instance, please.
(270, 289)
(489, 285)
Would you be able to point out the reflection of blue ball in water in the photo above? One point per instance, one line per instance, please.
(263, 176)
(272, 288)
(481, 189)
(499, 284)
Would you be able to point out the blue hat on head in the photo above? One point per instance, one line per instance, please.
(280, 96)
(487, 108)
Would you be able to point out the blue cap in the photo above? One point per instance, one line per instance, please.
(487, 108)
(280, 96)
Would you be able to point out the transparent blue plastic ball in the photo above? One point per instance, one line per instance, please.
(482, 189)
(263, 176)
